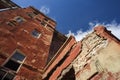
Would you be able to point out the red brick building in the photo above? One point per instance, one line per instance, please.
(27, 37)
(31, 49)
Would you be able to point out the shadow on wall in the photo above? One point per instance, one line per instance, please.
(70, 75)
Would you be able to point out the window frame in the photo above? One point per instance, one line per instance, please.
(15, 60)
(36, 34)
(19, 19)
(11, 23)
(43, 23)
(46, 20)
(31, 14)
(6, 72)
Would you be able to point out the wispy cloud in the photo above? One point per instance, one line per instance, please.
(45, 10)
(114, 27)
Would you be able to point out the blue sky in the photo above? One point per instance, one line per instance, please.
(74, 16)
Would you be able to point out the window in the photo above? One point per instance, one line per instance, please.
(15, 61)
(19, 19)
(45, 19)
(38, 19)
(36, 33)
(11, 23)
(31, 14)
(13, 65)
(43, 23)
(5, 75)
(36, 12)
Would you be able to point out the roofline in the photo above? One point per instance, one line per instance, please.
(42, 13)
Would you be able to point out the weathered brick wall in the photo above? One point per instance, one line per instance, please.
(102, 65)
(91, 44)
(19, 36)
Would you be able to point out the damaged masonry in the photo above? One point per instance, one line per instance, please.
(31, 49)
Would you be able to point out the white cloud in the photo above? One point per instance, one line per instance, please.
(114, 27)
(45, 10)
(79, 34)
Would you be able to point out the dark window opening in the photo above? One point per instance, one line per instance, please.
(45, 19)
(15, 61)
(36, 33)
(4, 75)
(9, 76)
(11, 64)
(43, 23)
(31, 14)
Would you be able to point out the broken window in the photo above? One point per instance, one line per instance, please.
(15, 61)
(36, 33)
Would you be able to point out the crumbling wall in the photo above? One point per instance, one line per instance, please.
(98, 59)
